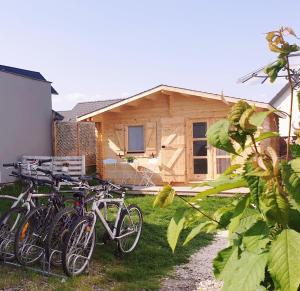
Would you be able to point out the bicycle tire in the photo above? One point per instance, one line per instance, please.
(36, 221)
(65, 253)
(125, 212)
(56, 243)
(8, 231)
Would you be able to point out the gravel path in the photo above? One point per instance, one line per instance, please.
(197, 273)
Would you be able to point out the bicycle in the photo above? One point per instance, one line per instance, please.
(33, 229)
(80, 241)
(83, 197)
(22, 199)
(10, 220)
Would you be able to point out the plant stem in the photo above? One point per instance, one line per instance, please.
(291, 108)
(207, 216)
(254, 143)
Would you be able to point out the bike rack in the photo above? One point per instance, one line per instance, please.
(6, 251)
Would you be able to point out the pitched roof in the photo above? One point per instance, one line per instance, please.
(27, 74)
(279, 94)
(167, 88)
(83, 108)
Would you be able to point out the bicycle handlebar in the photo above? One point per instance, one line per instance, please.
(6, 165)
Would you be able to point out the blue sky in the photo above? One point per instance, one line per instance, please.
(94, 50)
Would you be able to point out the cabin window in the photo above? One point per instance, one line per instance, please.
(136, 139)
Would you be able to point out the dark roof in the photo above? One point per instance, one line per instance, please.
(56, 116)
(84, 108)
(27, 74)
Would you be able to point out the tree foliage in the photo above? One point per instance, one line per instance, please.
(263, 225)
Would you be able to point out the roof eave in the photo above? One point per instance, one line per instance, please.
(176, 90)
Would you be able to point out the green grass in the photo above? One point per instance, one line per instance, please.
(140, 270)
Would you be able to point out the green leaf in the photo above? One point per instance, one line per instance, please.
(221, 180)
(164, 197)
(247, 273)
(217, 136)
(239, 183)
(239, 136)
(291, 181)
(295, 149)
(231, 169)
(208, 227)
(224, 262)
(244, 221)
(238, 213)
(256, 184)
(175, 227)
(237, 111)
(245, 121)
(257, 118)
(256, 237)
(284, 260)
(263, 136)
(274, 206)
(267, 134)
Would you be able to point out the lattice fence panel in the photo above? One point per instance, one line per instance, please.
(76, 139)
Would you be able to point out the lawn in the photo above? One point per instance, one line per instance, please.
(141, 270)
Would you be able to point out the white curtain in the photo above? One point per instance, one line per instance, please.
(136, 138)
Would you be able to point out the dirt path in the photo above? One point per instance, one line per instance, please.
(197, 273)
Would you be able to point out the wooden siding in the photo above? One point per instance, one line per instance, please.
(165, 117)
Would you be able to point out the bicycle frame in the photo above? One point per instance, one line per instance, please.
(97, 213)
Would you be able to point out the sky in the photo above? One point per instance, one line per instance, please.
(96, 50)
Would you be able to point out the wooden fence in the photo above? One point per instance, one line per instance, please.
(75, 139)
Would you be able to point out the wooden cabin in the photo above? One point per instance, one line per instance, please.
(166, 125)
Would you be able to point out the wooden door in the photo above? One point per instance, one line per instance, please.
(200, 154)
(173, 165)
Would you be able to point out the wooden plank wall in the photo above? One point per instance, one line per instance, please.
(76, 164)
(153, 109)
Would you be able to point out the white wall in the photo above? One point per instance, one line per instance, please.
(283, 104)
(25, 118)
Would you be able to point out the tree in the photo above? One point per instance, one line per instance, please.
(264, 224)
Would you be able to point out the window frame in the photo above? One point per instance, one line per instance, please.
(127, 139)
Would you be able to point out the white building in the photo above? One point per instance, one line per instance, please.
(282, 101)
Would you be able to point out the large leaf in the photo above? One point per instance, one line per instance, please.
(221, 180)
(238, 213)
(284, 260)
(218, 136)
(261, 137)
(208, 227)
(245, 121)
(174, 229)
(266, 135)
(291, 181)
(256, 184)
(224, 262)
(274, 206)
(258, 118)
(256, 237)
(245, 221)
(239, 183)
(237, 111)
(164, 197)
(247, 273)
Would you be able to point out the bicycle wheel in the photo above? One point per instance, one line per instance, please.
(57, 233)
(31, 234)
(129, 228)
(78, 247)
(9, 223)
